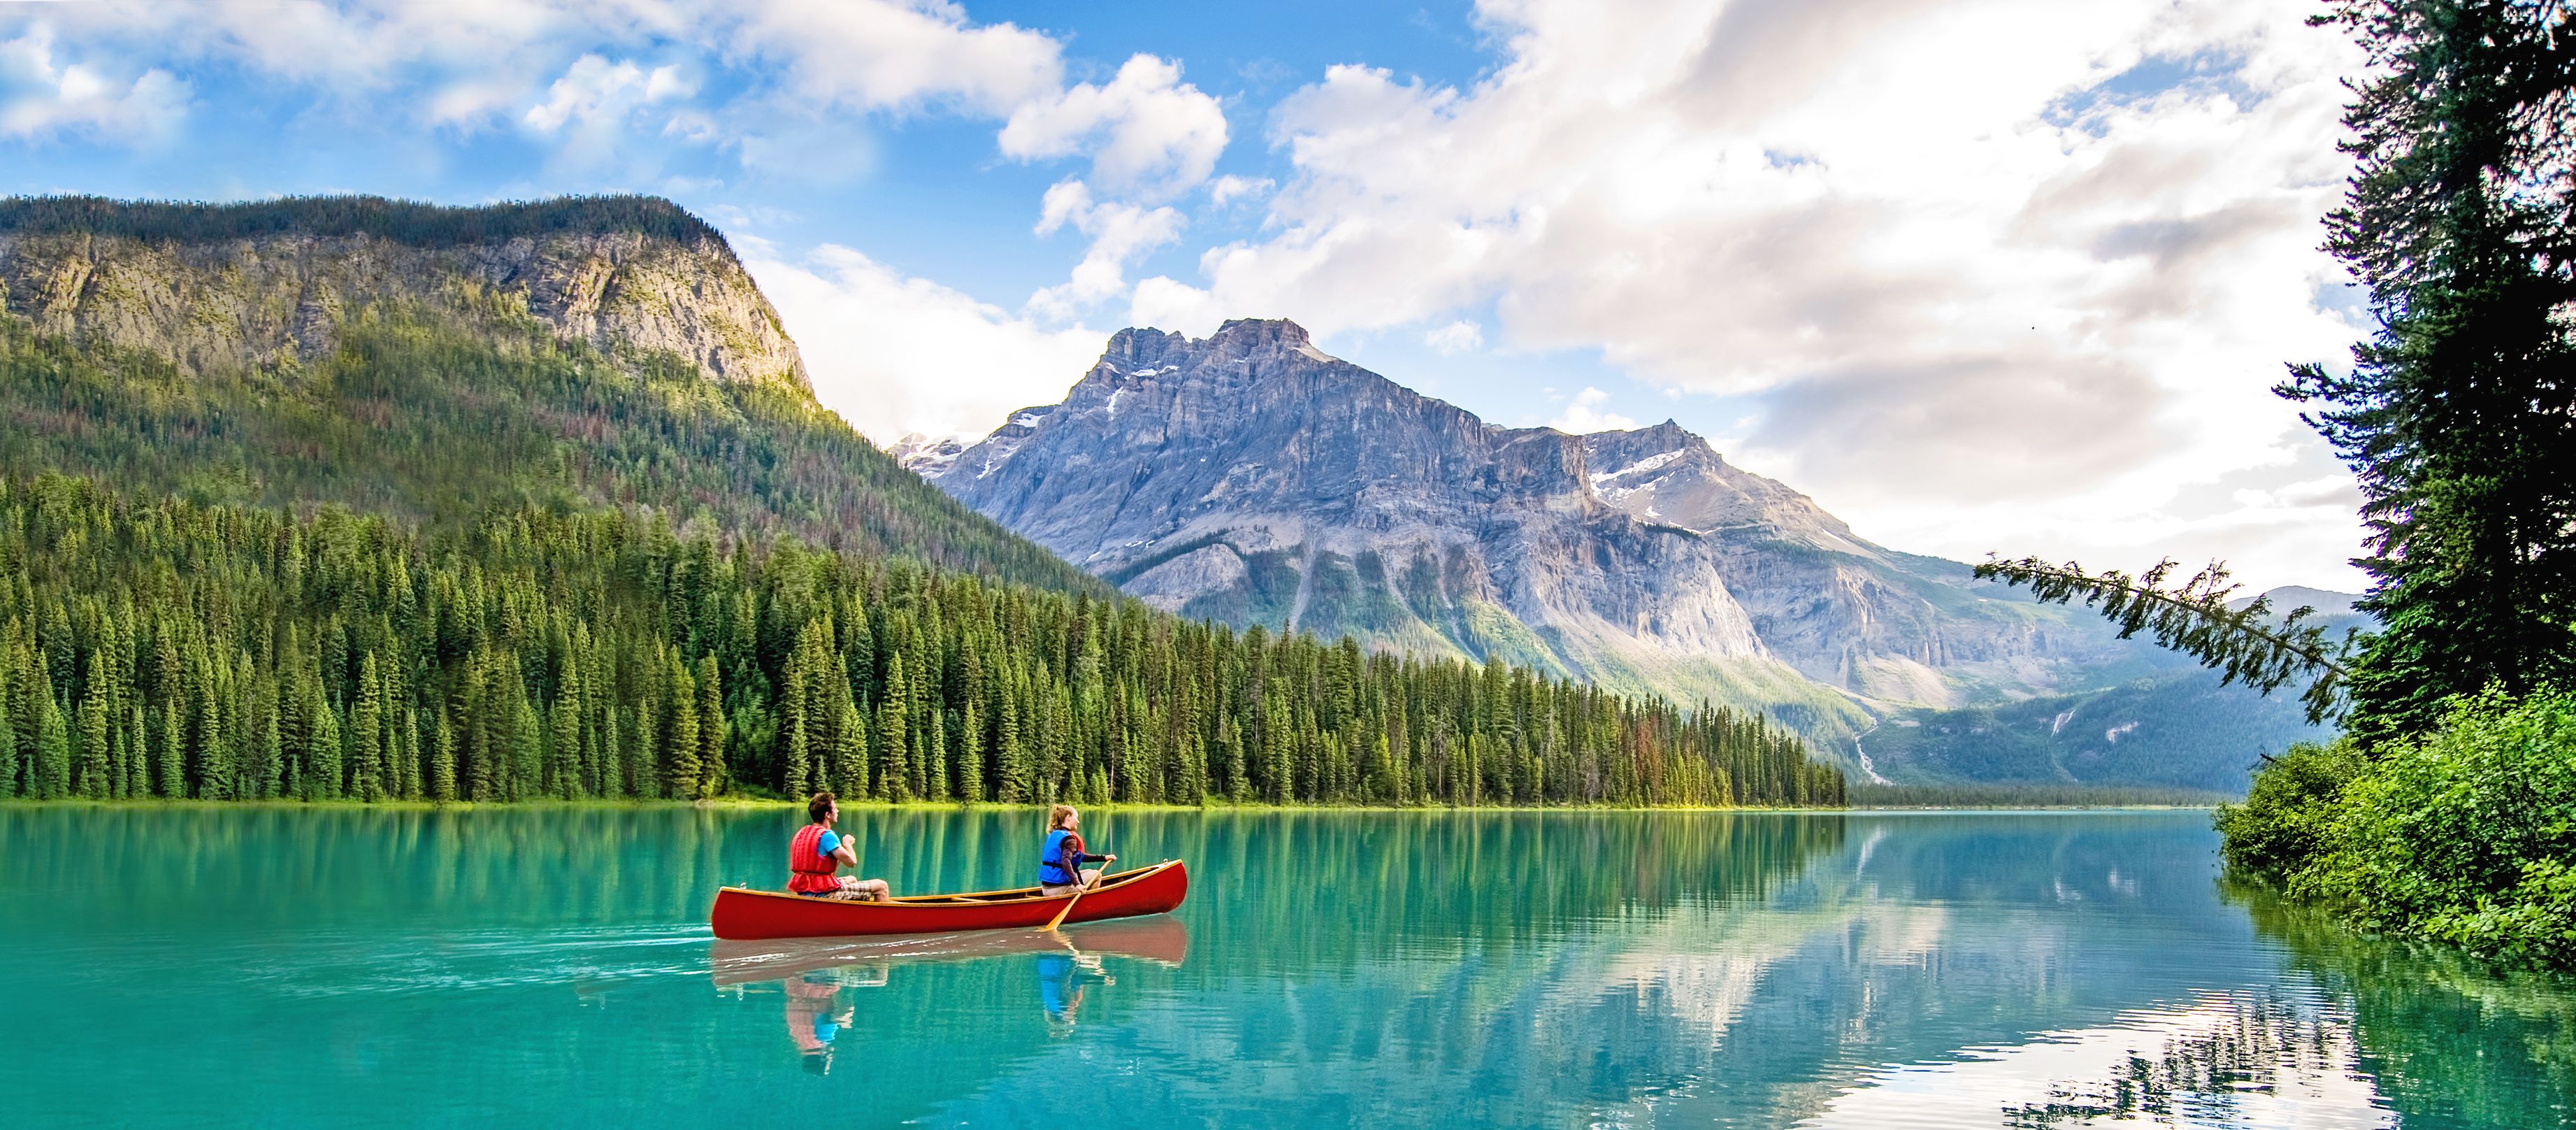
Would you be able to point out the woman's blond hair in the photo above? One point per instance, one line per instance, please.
(1058, 815)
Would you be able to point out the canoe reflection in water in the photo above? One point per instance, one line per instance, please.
(812, 973)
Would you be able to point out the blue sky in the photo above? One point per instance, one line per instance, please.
(1991, 274)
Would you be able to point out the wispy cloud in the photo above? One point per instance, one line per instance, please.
(45, 95)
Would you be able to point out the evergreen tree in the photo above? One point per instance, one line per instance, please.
(366, 733)
(681, 772)
(2459, 414)
(267, 779)
(563, 747)
(893, 773)
(970, 751)
(1011, 754)
(170, 758)
(713, 774)
(53, 744)
(849, 762)
(90, 780)
(325, 757)
(12, 771)
(442, 760)
(211, 766)
(526, 735)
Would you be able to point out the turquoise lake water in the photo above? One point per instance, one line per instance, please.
(290, 967)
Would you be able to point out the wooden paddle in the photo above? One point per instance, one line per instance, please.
(1078, 891)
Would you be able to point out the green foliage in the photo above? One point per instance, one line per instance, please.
(2458, 415)
(328, 217)
(2463, 835)
(551, 652)
(2467, 835)
(2288, 815)
(2244, 643)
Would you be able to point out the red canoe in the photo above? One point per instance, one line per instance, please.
(741, 913)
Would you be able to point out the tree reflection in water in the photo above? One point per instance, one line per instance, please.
(2249, 1047)
(2450, 1040)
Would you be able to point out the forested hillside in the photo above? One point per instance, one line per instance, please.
(164, 647)
(426, 363)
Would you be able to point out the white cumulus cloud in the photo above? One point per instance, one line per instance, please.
(594, 88)
(894, 354)
(1146, 130)
(876, 54)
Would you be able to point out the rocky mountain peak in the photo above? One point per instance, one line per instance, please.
(1244, 337)
(1248, 344)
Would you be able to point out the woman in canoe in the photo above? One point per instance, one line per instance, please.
(1060, 861)
(818, 851)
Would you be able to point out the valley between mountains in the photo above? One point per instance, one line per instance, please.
(1253, 478)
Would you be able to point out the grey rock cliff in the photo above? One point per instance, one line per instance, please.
(257, 302)
(1253, 478)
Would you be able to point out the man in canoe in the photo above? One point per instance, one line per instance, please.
(1060, 861)
(818, 851)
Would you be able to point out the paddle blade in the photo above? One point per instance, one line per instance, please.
(1058, 920)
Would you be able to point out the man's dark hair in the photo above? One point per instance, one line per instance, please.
(819, 807)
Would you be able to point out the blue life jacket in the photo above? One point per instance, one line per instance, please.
(1051, 871)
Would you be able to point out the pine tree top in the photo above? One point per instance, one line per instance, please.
(407, 222)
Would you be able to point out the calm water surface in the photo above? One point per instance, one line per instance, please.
(286, 967)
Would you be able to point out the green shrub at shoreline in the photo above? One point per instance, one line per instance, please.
(2465, 835)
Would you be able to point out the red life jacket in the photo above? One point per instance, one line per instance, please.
(812, 870)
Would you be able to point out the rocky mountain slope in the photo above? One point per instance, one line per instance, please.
(428, 362)
(1251, 477)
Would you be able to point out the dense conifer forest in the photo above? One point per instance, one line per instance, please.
(171, 648)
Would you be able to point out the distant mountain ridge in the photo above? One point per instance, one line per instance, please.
(2180, 730)
(1253, 478)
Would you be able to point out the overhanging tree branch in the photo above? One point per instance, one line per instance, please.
(2247, 645)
